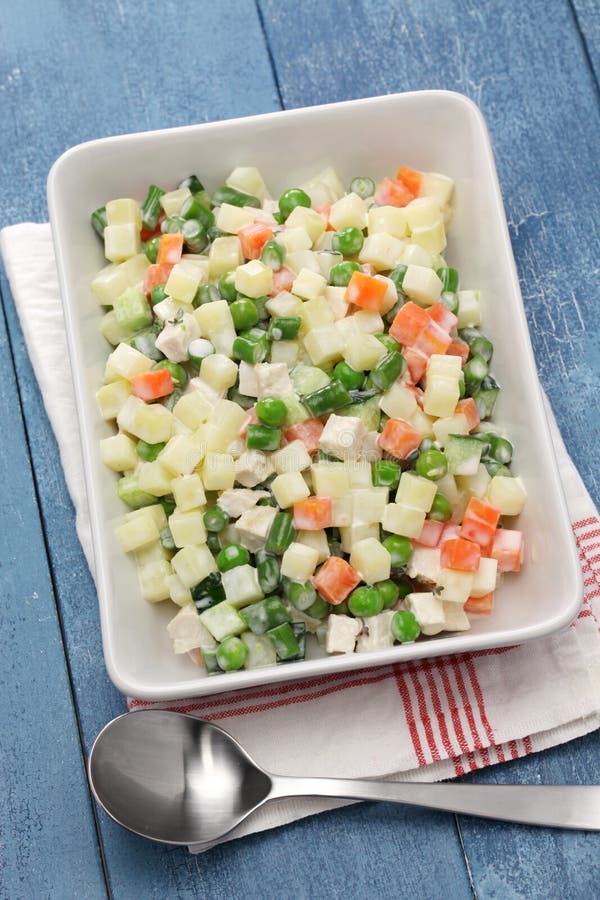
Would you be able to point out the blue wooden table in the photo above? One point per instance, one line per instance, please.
(71, 71)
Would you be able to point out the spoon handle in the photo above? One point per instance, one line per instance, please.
(556, 806)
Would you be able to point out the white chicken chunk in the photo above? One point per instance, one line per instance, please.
(236, 501)
(253, 467)
(273, 380)
(176, 337)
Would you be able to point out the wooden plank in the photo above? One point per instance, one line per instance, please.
(587, 14)
(497, 54)
(48, 848)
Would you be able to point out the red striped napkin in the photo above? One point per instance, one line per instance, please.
(423, 720)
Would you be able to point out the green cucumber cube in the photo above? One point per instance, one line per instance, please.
(222, 620)
(129, 492)
(265, 615)
(463, 454)
(307, 379)
(296, 411)
(132, 310)
(209, 658)
(368, 412)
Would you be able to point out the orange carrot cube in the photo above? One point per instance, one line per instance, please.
(483, 606)
(430, 533)
(283, 280)
(393, 192)
(253, 238)
(309, 432)
(366, 291)
(170, 248)
(443, 316)
(469, 410)
(312, 514)
(409, 322)
(508, 550)
(480, 522)
(335, 580)
(152, 385)
(460, 554)
(460, 348)
(416, 363)
(410, 179)
(154, 276)
(433, 339)
(399, 438)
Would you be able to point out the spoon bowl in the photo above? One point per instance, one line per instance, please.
(174, 778)
(179, 780)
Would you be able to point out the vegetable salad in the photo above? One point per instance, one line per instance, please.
(302, 399)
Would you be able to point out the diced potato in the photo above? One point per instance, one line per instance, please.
(154, 580)
(414, 255)
(241, 586)
(285, 304)
(294, 457)
(187, 528)
(188, 633)
(456, 424)
(222, 620)
(330, 479)
(188, 492)
(218, 471)
(507, 494)
(387, 219)
(127, 362)
(398, 402)
(311, 221)
(152, 423)
(254, 525)
(422, 285)
(299, 562)
(112, 397)
(193, 564)
(456, 585)
(357, 531)
(316, 312)
(254, 279)
(285, 352)
(113, 280)
(416, 491)
(324, 187)
(363, 351)
(181, 455)
(123, 211)
(232, 218)
(121, 242)
(297, 260)
(390, 298)
(118, 453)
(349, 211)
(154, 512)
(440, 187)
(368, 505)
(335, 297)
(216, 323)
(228, 418)
(469, 309)
(404, 520)
(422, 212)
(154, 479)
(183, 282)
(324, 345)
(172, 201)
(359, 473)
(341, 511)
(428, 610)
(342, 632)
(179, 593)
(441, 364)
(422, 422)
(192, 409)
(308, 284)
(368, 321)
(225, 254)
(441, 395)
(484, 579)
(381, 250)
(455, 618)
(219, 371)
(249, 180)
(371, 560)
(431, 237)
(289, 488)
(294, 239)
(137, 533)
(318, 541)
(447, 486)
(475, 485)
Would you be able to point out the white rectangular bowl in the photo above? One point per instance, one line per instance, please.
(432, 131)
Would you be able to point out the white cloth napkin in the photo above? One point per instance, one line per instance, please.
(426, 720)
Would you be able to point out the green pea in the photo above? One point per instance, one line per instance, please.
(399, 548)
(340, 274)
(365, 602)
(289, 200)
(231, 556)
(158, 294)
(215, 519)
(441, 509)
(390, 592)
(405, 627)
(227, 287)
(151, 248)
(348, 241)
(363, 186)
(271, 411)
(244, 314)
(232, 653)
(349, 377)
(432, 464)
(178, 373)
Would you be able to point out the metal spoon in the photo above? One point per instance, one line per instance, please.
(174, 778)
